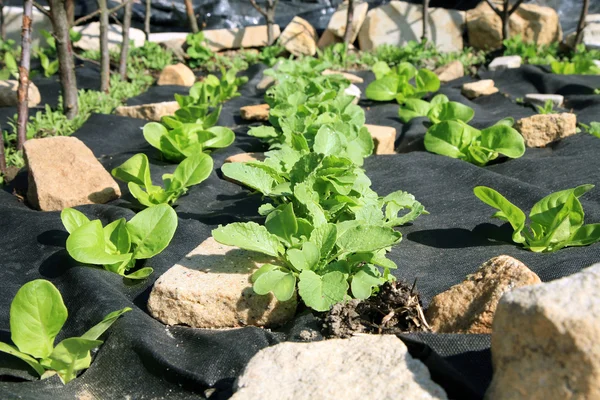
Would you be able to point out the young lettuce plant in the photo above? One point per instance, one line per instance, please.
(322, 260)
(556, 220)
(439, 109)
(136, 172)
(177, 141)
(212, 91)
(37, 314)
(119, 244)
(394, 83)
(593, 128)
(456, 139)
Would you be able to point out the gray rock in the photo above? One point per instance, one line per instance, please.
(537, 99)
(505, 62)
(545, 340)
(13, 21)
(90, 39)
(591, 31)
(9, 94)
(362, 367)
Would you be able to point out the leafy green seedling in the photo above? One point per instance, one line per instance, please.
(547, 108)
(556, 220)
(394, 83)
(37, 314)
(197, 50)
(456, 139)
(439, 109)
(186, 139)
(136, 172)
(593, 128)
(212, 91)
(322, 260)
(119, 244)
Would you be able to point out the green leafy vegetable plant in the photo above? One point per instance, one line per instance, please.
(197, 51)
(136, 172)
(394, 83)
(556, 221)
(531, 52)
(269, 55)
(593, 128)
(456, 139)
(37, 314)
(439, 109)
(119, 244)
(212, 91)
(547, 108)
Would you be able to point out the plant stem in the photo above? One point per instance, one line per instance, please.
(269, 14)
(64, 50)
(23, 91)
(147, 19)
(581, 24)
(125, 44)
(189, 8)
(348, 33)
(104, 54)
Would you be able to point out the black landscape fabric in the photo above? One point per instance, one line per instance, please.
(142, 358)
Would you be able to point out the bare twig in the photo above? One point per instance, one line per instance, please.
(581, 24)
(189, 9)
(425, 15)
(515, 7)
(147, 19)
(23, 91)
(257, 7)
(269, 14)
(493, 6)
(125, 44)
(348, 33)
(86, 18)
(41, 9)
(104, 54)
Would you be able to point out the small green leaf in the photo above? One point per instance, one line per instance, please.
(97, 330)
(135, 170)
(324, 237)
(413, 108)
(73, 219)
(383, 89)
(87, 245)
(427, 81)
(151, 230)
(248, 236)
(191, 171)
(504, 140)
(37, 314)
(451, 111)
(252, 176)
(6, 348)
(508, 211)
(365, 238)
(327, 141)
(321, 292)
(364, 280)
(282, 284)
(153, 132)
(282, 222)
(446, 138)
(71, 356)
(307, 258)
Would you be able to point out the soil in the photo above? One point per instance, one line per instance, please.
(397, 308)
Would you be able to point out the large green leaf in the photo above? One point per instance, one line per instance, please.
(321, 292)
(365, 238)
(117, 237)
(135, 170)
(327, 141)
(281, 283)
(383, 89)
(451, 111)
(153, 131)
(37, 314)
(223, 137)
(307, 258)
(282, 223)
(544, 211)
(508, 211)
(250, 175)
(504, 140)
(33, 363)
(87, 245)
(191, 171)
(413, 108)
(71, 356)
(151, 230)
(427, 81)
(446, 138)
(248, 236)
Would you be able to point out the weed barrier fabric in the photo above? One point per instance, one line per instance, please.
(143, 358)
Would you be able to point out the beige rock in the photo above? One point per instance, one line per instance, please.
(328, 38)
(337, 23)
(545, 340)
(237, 38)
(469, 307)
(245, 157)
(90, 39)
(383, 138)
(591, 31)
(450, 72)
(299, 37)
(63, 173)
(534, 23)
(265, 82)
(176, 47)
(162, 37)
(151, 112)
(259, 112)
(9, 97)
(351, 77)
(211, 288)
(178, 74)
(543, 129)
(362, 367)
(505, 62)
(398, 22)
(480, 88)
(13, 22)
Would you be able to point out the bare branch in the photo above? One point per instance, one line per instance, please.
(97, 12)
(42, 9)
(514, 8)
(493, 6)
(581, 24)
(257, 7)
(23, 90)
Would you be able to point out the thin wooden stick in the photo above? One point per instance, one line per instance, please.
(23, 91)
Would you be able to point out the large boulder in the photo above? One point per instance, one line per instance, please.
(534, 23)
(398, 22)
(469, 306)
(299, 37)
(9, 97)
(362, 367)
(211, 287)
(63, 172)
(236, 38)
(545, 340)
(337, 23)
(90, 39)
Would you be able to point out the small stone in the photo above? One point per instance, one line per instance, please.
(337, 23)
(541, 99)
(505, 62)
(90, 39)
(63, 173)
(362, 367)
(151, 112)
(355, 91)
(545, 340)
(259, 112)
(384, 138)
(299, 37)
(176, 47)
(245, 157)
(469, 307)
(351, 77)
(543, 129)
(237, 38)
(9, 96)
(450, 72)
(480, 88)
(265, 82)
(178, 74)
(211, 288)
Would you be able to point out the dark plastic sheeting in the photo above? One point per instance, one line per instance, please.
(142, 358)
